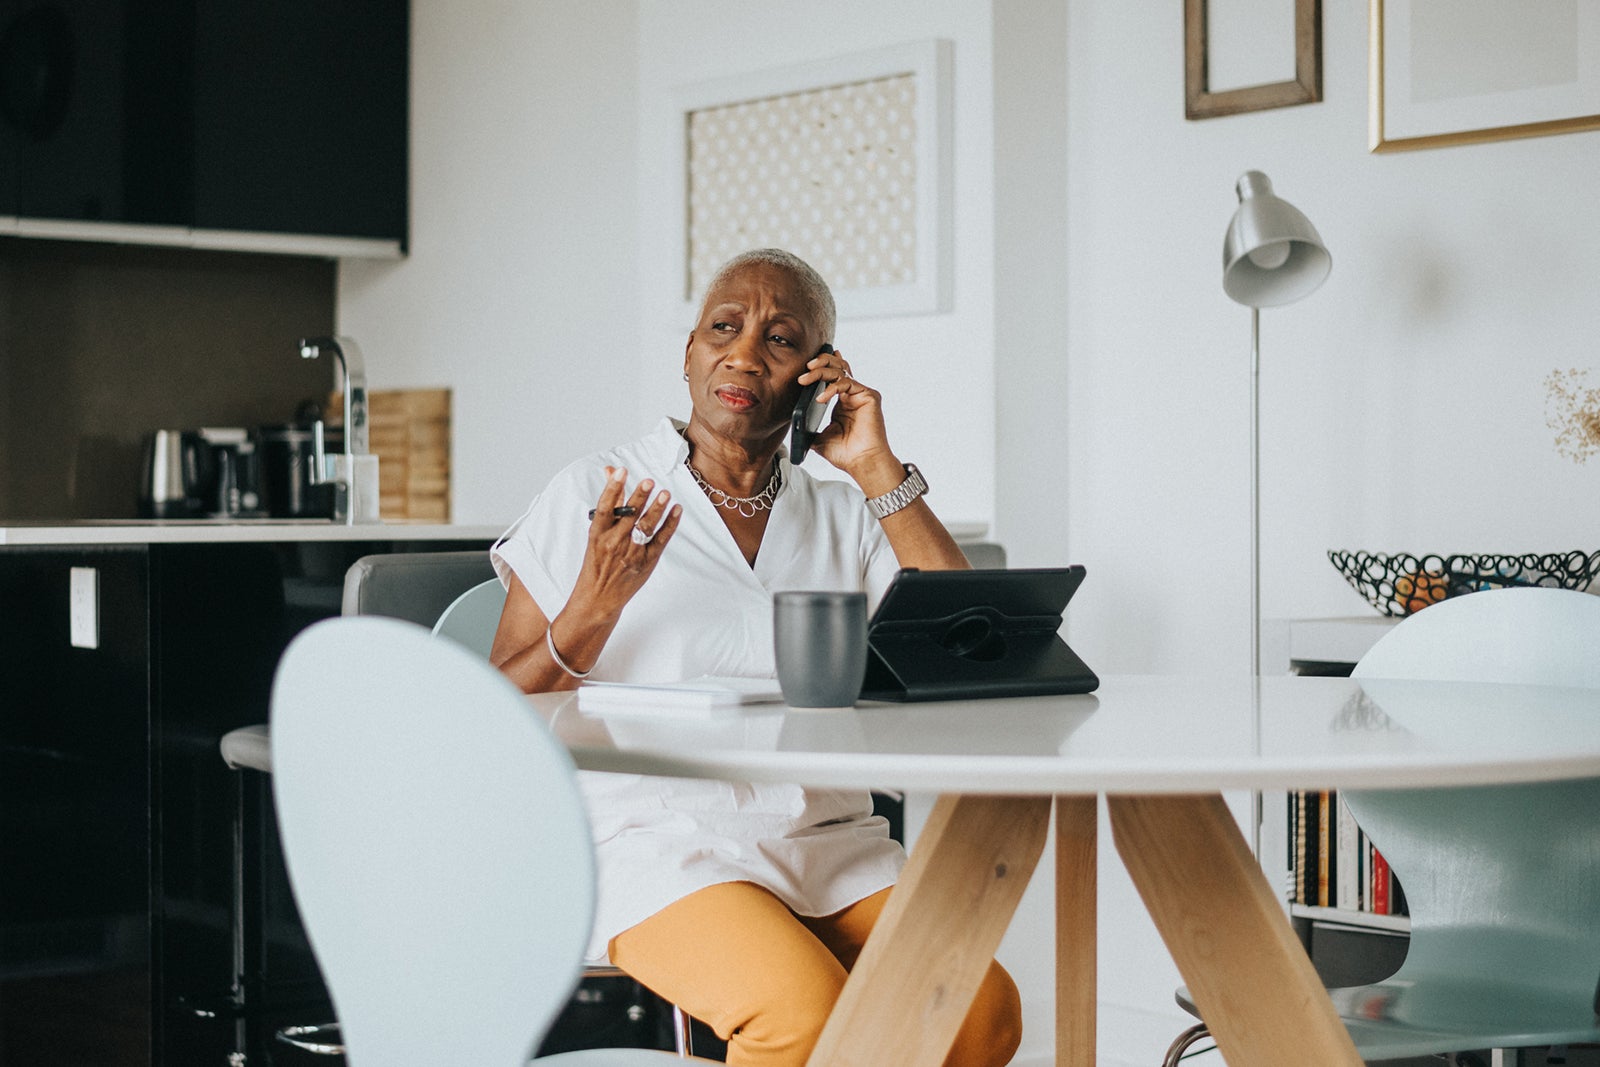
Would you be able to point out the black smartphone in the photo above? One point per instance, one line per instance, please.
(807, 417)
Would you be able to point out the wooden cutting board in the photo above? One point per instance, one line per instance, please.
(409, 431)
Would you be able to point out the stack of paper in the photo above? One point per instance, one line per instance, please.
(694, 698)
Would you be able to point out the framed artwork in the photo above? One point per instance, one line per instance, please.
(845, 163)
(1449, 72)
(1211, 26)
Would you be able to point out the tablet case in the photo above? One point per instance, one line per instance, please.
(953, 635)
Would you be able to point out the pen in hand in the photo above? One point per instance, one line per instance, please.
(622, 512)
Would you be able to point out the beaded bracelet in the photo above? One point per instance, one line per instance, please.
(550, 643)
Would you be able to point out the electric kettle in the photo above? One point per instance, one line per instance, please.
(172, 475)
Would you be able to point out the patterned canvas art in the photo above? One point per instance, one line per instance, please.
(829, 173)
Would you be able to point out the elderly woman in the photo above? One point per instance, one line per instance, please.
(745, 904)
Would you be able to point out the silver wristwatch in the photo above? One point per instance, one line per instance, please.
(901, 495)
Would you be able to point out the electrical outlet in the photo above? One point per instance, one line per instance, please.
(85, 607)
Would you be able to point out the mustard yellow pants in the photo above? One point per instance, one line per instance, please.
(764, 978)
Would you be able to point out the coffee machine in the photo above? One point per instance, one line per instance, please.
(208, 473)
(288, 465)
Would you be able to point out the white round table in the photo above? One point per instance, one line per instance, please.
(1160, 748)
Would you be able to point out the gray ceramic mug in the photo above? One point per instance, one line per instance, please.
(820, 643)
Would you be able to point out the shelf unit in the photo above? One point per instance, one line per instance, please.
(1347, 946)
(1399, 924)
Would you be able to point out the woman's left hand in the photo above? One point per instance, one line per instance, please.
(855, 439)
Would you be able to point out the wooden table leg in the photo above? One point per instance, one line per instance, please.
(917, 975)
(1250, 978)
(1077, 827)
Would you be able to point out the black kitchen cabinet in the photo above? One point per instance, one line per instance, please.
(284, 118)
(115, 806)
(75, 814)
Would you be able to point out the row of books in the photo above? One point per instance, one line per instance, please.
(1333, 863)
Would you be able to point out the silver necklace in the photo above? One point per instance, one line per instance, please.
(744, 505)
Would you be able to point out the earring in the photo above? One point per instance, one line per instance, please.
(685, 375)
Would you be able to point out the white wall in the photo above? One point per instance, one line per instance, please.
(520, 291)
(935, 371)
(1402, 403)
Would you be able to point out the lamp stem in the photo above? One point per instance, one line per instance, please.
(1255, 562)
(1255, 492)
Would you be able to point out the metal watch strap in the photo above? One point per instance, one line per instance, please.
(901, 495)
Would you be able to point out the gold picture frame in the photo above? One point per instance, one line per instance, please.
(1491, 113)
(1306, 87)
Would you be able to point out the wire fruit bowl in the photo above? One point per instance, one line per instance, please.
(1402, 584)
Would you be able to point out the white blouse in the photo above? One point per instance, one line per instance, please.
(704, 610)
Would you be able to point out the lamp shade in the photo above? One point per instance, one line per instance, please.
(1272, 254)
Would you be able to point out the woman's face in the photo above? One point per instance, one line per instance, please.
(755, 336)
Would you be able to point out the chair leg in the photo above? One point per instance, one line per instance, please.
(240, 994)
(1184, 1042)
(682, 1037)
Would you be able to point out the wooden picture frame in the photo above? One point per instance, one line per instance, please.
(1542, 103)
(1200, 102)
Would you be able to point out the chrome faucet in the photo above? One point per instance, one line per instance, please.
(356, 495)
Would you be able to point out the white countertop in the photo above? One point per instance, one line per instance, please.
(206, 531)
(203, 531)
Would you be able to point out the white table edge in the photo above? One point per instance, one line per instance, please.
(1036, 776)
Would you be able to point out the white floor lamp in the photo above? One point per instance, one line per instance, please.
(1270, 256)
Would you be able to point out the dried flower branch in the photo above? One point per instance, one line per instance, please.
(1572, 410)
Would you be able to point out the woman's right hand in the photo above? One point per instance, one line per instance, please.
(623, 549)
(616, 564)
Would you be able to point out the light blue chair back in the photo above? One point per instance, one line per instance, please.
(436, 843)
(437, 846)
(472, 618)
(1503, 882)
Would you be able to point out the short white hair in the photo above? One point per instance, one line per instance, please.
(812, 288)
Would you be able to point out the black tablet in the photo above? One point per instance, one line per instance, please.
(951, 635)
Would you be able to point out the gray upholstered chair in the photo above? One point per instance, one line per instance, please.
(415, 586)
(984, 555)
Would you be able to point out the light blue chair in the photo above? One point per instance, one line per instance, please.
(1503, 882)
(438, 849)
(472, 618)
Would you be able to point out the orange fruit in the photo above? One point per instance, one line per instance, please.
(1418, 589)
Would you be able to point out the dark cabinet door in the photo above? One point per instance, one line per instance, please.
(288, 117)
(63, 72)
(300, 117)
(75, 814)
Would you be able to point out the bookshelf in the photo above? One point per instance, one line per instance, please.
(1353, 934)
(1334, 870)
